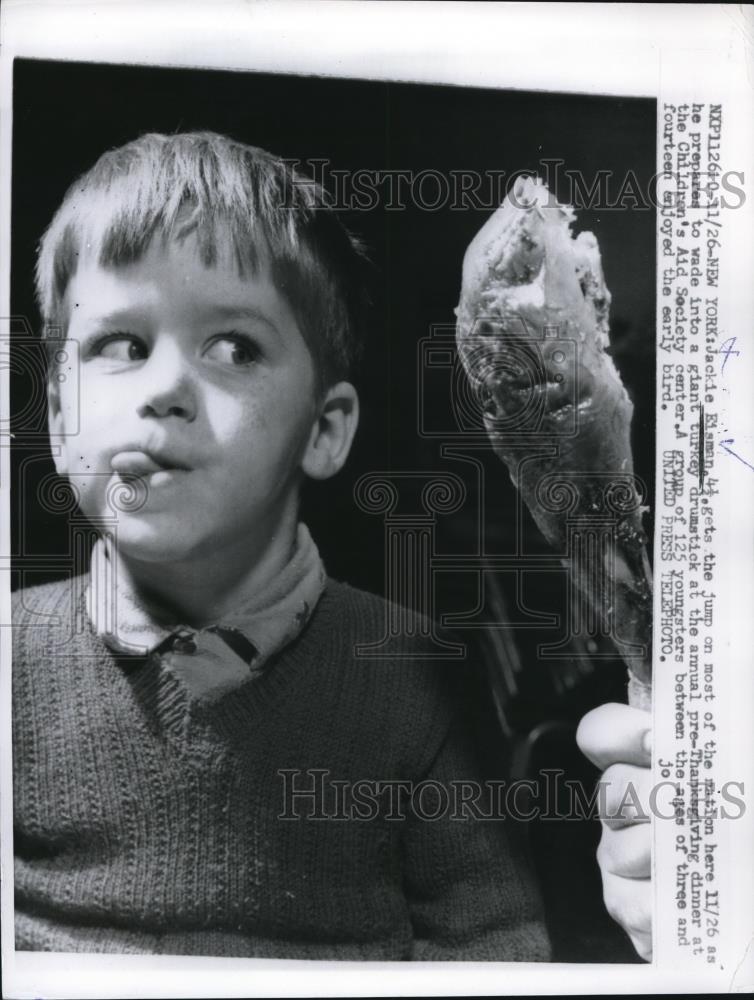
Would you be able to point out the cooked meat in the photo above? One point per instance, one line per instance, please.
(533, 335)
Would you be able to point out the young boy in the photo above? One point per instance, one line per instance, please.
(194, 732)
(191, 719)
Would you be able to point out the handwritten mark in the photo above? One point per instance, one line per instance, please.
(724, 445)
(727, 349)
(700, 446)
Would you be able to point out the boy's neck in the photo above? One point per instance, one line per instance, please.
(202, 591)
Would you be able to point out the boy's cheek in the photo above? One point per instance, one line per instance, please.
(82, 457)
(90, 487)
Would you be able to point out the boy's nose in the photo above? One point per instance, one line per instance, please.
(168, 389)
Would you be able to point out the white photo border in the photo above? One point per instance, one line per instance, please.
(640, 50)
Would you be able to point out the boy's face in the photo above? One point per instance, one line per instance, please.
(199, 382)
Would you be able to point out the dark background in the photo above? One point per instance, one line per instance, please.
(66, 114)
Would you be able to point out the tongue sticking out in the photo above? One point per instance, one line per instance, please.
(134, 463)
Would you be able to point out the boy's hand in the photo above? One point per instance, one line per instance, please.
(617, 738)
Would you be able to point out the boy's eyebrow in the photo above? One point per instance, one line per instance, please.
(122, 317)
(116, 318)
(242, 312)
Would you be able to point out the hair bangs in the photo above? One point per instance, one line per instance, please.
(229, 197)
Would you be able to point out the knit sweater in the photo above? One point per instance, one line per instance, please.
(147, 822)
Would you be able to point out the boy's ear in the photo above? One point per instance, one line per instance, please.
(332, 434)
(56, 428)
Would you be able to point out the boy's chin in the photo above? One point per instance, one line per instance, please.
(145, 543)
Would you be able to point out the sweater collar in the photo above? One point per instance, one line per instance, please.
(221, 655)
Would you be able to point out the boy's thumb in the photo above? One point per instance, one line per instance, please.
(615, 734)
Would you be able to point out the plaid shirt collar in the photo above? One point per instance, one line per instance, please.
(218, 657)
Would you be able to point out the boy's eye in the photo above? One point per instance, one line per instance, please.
(233, 349)
(121, 347)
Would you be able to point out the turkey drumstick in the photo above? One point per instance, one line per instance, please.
(532, 334)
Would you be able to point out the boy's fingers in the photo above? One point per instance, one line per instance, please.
(616, 733)
(617, 739)
(627, 852)
(629, 903)
(626, 795)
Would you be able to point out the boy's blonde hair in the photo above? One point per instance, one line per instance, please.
(216, 188)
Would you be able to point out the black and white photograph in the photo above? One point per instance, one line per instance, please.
(351, 418)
